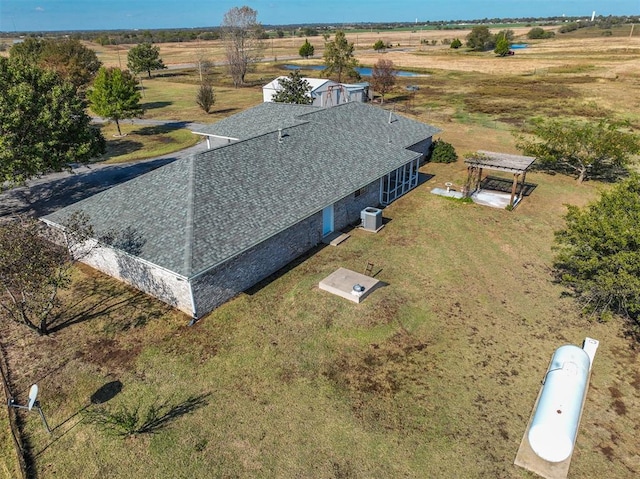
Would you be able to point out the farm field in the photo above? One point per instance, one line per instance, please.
(434, 375)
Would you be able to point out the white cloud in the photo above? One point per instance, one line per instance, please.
(39, 9)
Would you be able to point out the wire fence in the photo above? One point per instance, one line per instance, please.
(21, 452)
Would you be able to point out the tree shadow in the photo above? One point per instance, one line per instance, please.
(504, 185)
(168, 74)
(133, 271)
(224, 111)
(40, 199)
(118, 146)
(152, 105)
(136, 419)
(95, 306)
(161, 129)
(104, 394)
(167, 413)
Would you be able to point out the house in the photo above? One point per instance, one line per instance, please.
(324, 92)
(200, 230)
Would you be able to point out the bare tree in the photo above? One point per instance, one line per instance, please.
(383, 77)
(33, 268)
(241, 36)
(204, 63)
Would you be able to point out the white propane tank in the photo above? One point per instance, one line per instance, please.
(555, 423)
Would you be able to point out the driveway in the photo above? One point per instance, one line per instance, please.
(44, 195)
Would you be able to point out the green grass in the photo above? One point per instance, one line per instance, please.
(434, 375)
(141, 142)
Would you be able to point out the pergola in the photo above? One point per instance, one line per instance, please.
(516, 164)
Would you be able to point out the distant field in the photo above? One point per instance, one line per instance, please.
(434, 375)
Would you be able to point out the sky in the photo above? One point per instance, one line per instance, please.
(48, 15)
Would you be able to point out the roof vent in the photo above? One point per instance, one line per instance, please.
(280, 135)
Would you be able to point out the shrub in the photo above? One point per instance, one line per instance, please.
(537, 33)
(379, 45)
(205, 97)
(456, 43)
(442, 152)
(599, 252)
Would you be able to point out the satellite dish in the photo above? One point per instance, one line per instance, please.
(33, 394)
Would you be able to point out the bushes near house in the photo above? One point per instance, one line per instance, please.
(442, 152)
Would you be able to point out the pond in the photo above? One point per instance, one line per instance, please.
(364, 71)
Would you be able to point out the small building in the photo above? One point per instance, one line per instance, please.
(324, 92)
(200, 230)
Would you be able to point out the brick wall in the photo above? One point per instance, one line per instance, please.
(422, 147)
(148, 278)
(218, 285)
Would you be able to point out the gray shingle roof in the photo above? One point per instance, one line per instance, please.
(198, 212)
(261, 119)
(373, 122)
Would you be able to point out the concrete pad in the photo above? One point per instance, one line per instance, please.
(341, 283)
(530, 461)
(449, 194)
(494, 199)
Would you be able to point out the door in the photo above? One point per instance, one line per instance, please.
(327, 220)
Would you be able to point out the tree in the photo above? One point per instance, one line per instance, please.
(144, 58)
(339, 59)
(27, 51)
(599, 252)
(480, 39)
(242, 43)
(43, 124)
(502, 46)
(587, 149)
(306, 50)
(442, 152)
(33, 268)
(205, 97)
(379, 45)
(293, 89)
(203, 63)
(456, 43)
(68, 57)
(115, 96)
(383, 77)
(538, 33)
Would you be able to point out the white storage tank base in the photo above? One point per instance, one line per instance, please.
(555, 422)
(549, 439)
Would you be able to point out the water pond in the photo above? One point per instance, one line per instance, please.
(364, 71)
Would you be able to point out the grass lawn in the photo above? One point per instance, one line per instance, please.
(434, 375)
(142, 142)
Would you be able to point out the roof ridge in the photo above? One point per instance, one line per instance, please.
(188, 246)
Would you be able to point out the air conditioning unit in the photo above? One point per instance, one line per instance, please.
(371, 218)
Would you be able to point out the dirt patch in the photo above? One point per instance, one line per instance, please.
(615, 392)
(620, 407)
(108, 354)
(608, 452)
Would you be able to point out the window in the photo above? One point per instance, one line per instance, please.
(399, 182)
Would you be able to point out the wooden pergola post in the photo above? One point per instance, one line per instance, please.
(514, 164)
(513, 188)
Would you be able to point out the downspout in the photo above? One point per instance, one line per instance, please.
(194, 319)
